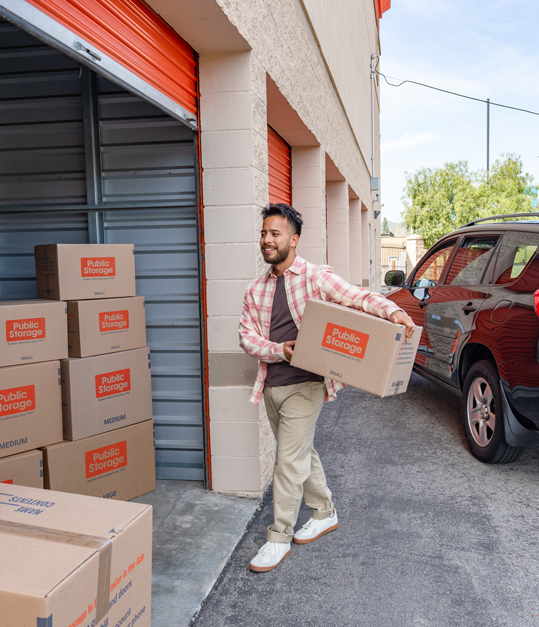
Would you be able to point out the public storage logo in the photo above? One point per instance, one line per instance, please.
(91, 267)
(111, 383)
(10, 481)
(27, 329)
(347, 341)
(104, 459)
(17, 400)
(113, 321)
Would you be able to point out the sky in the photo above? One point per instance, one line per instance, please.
(484, 49)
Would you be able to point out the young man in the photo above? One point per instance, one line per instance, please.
(272, 312)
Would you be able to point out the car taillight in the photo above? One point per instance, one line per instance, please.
(536, 301)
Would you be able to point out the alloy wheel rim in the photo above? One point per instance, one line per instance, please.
(481, 412)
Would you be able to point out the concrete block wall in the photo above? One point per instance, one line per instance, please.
(356, 242)
(338, 221)
(308, 197)
(235, 188)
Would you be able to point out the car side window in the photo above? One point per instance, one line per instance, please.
(429, 272)
(516, 252)
(471, 261)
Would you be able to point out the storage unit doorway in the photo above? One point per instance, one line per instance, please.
(83, 160)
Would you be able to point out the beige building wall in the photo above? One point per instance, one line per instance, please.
(303, 67)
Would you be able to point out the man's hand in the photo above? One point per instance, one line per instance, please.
(400, 317)
(288, 348)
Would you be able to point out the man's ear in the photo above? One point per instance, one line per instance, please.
(294, 240)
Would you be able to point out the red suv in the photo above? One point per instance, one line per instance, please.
(476, 295)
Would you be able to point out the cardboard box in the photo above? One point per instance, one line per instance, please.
(355, 348)
(85, 271)
(70, 560)
(116, 465)
(22, 469)
(106, 392)
(32, 331)
(30, 407)
(96, 327)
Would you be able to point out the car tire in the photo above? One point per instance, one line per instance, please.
(482, 416)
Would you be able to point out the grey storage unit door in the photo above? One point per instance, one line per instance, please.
(82, 160)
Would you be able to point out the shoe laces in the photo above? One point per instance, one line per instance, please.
(310, 523)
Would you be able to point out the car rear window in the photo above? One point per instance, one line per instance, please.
(516, 252)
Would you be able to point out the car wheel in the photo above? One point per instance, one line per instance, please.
(482, 416)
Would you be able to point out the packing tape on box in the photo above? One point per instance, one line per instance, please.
(102, 545)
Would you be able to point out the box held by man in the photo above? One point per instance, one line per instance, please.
(355, 348)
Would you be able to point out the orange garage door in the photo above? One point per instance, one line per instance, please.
(131, 34)
(279, 169)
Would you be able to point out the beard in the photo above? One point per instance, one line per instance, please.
(277, 256)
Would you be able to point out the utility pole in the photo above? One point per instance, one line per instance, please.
(488, 135)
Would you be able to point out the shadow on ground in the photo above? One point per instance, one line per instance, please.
(428, 535)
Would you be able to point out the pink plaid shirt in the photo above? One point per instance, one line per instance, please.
(303, 280)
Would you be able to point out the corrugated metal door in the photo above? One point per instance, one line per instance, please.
(82, 160)
(145, 154)
(137, 38)
(279, 169)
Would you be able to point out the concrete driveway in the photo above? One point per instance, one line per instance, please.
(428, 535)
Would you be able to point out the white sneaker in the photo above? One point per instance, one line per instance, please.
(314, 529)
(270, 556)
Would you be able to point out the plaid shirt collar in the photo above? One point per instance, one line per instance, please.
(296, 268)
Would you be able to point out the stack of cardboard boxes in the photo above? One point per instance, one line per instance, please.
(75, 378)
(70, 559)
(33, 339)
(108, 448)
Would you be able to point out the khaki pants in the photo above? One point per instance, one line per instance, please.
(293, 411)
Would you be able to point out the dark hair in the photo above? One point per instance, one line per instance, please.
(286, 211)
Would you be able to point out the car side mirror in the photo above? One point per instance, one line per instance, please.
(394, 278)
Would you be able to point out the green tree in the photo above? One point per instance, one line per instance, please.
(385, 227)
(439, 200)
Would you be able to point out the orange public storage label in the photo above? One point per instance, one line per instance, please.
(345, 340)
(10, 481)
(113, 320)
(104, 459)
(26, 329)
(97, 267)
(110, 383)
(17, 400)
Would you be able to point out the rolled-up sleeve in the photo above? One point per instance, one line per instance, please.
(251, 339)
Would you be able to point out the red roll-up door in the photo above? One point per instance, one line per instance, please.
(279, 169)
(131, 34)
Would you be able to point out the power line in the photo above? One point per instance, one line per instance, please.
(453, 93)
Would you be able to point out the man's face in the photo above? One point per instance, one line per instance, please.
(276, 239)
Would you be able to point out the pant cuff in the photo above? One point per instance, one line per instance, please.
(275, 536)
(321, 515)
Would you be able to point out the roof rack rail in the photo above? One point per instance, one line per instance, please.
(503, 216)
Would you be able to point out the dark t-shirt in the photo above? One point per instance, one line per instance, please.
(283, 329)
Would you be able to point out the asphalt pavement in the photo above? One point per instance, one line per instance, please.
(428, 536)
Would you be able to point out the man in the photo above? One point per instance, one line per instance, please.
(272, 312)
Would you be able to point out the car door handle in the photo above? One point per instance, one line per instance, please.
(422, 303)
(469, 308)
